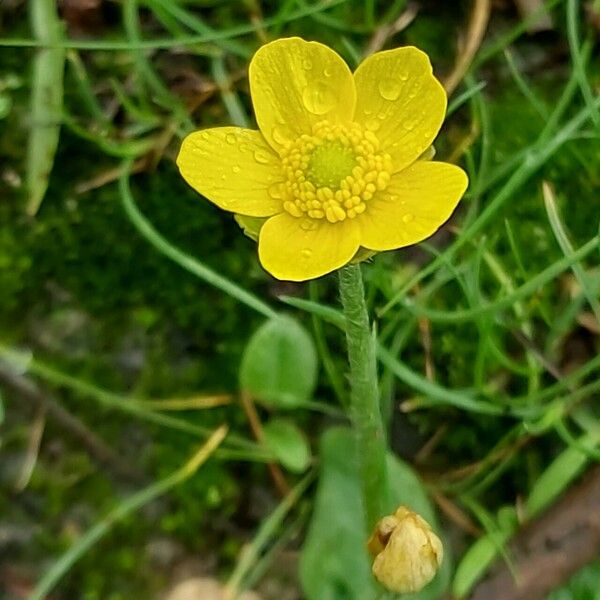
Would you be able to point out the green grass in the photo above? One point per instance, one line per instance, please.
(139, 266)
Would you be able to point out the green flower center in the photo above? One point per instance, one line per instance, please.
(329, 163)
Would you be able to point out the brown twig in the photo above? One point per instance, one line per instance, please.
(425, 333)
(495, 456)
(480, 15)
(107, 177)
(549, 550)
(276, 473)
(464, 144)
(33, 449)
(385, 32)
(456, 514)
(96, 447)
(537, 9)
(429, 446)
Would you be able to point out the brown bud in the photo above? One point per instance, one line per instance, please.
(407, 552)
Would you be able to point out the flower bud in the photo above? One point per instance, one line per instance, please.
(407, 552)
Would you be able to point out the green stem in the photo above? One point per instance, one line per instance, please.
(365, 412)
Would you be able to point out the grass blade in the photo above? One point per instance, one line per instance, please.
(46, 100)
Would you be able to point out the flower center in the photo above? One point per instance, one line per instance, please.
(329, 163)
(334, 172)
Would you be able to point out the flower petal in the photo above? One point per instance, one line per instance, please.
(297, 249)
(295, 84)
(417, 201)
(400, 100)
(233, 168)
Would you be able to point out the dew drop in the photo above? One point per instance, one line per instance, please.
(243, 147)
(408, 217)
(372, 124)
(382, 115)
(236, 169)
(279, 136)
(205, 135)
(223, 177)
(230, 138)
(318, 98)
(306, 253)
(260, 156)
(403, 76)
(276, 191)
(389, 88)
(327, 73)
(408, 125)
(308, 224)
(307, 64)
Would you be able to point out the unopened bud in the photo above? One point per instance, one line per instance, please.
(407, 552)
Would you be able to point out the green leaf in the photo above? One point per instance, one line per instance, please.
(482, 553)
(5, 105)
(279, 366)
(582, 586)
(288, 444)
(334, 564)
(559, 474)
(46, 100)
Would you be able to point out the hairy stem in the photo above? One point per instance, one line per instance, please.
(365, 412)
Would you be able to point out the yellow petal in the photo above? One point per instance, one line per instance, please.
(297, 249)
(400, 100)
(417, 201)
(295, 84)
(232, 167)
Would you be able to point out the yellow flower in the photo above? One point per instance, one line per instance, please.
(334, 167)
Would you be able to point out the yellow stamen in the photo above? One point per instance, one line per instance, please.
(334, 172)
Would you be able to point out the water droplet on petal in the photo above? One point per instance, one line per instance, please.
(372, 124)
(236, 169)
(407, 218)
(389, 88)
(327, 73)
(243, 147)
(408, 125)
(230, 138)
(307, 64)
(318, 98)
(403, 76)
(279, 135)
(261, 156)
(306, 253)
(308, 224)
(276, 191)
